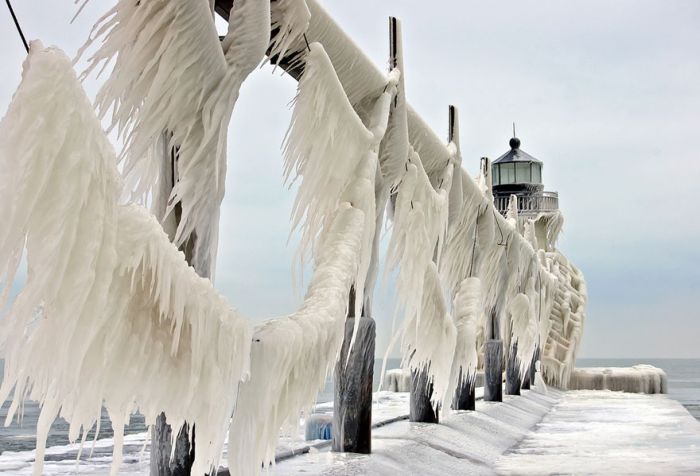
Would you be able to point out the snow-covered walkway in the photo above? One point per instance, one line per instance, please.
(464, 443)
(578, 432)
(604, 432)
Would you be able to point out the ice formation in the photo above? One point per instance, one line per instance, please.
(523, 329)
(111, 313)
(290, 20)
(292, 356)
(638, 379)
(420, 224)
(566, 320)
(172, 75)
(468, 316)
(325, 144)
(108, 283)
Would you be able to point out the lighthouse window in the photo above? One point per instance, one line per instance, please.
(536, 173)
(507, 173)
(495, 175)
(522, 172)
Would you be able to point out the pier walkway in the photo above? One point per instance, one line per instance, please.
(575, 432)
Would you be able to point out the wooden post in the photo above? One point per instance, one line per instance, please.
(493, 363)
(352, 405)
(161, 434)
(465, 396)
(421, 408)
(421, 390)
(513, 380)
(493, 370)
(526, 378)
(533, 365)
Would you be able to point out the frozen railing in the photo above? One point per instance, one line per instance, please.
(529, 204)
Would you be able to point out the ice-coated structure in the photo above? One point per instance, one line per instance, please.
(638, 379)
(111, 313)
(129, 323)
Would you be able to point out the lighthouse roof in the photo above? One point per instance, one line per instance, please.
(515, 154)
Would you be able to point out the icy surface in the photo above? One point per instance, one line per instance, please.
(599, 432)
(637, 379)
(397, 380)
(172, 75)
(465, 443)
(61, 460)
(468, 317)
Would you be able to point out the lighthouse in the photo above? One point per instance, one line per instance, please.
(518, 173)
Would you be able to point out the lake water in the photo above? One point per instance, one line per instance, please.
(683, 379)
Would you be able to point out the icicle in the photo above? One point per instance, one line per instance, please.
(111, 313)
(512, 213)
(469, 320)
(331, 149)
(292, 356)
(524, 330)
(460, 254)
(428, 343)
(324, 145)
(172, 74)
(290, 20)
(529, 233)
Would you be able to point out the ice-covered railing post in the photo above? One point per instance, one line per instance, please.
(171, 95)
(493, 346)
(422, 408)
(513, 377)
(164, 461)
(354, 371)
(464, 397)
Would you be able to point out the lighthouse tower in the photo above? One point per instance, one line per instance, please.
(518, 173)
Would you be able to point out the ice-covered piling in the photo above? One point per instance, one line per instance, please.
(637, 379)
(493, 370)
(397, 380)
(352, 406)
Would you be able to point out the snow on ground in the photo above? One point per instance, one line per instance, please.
(464, 443)
(579, 432)
(61, 460)
(604, 432)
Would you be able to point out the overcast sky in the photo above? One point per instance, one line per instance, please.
(606, 93)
